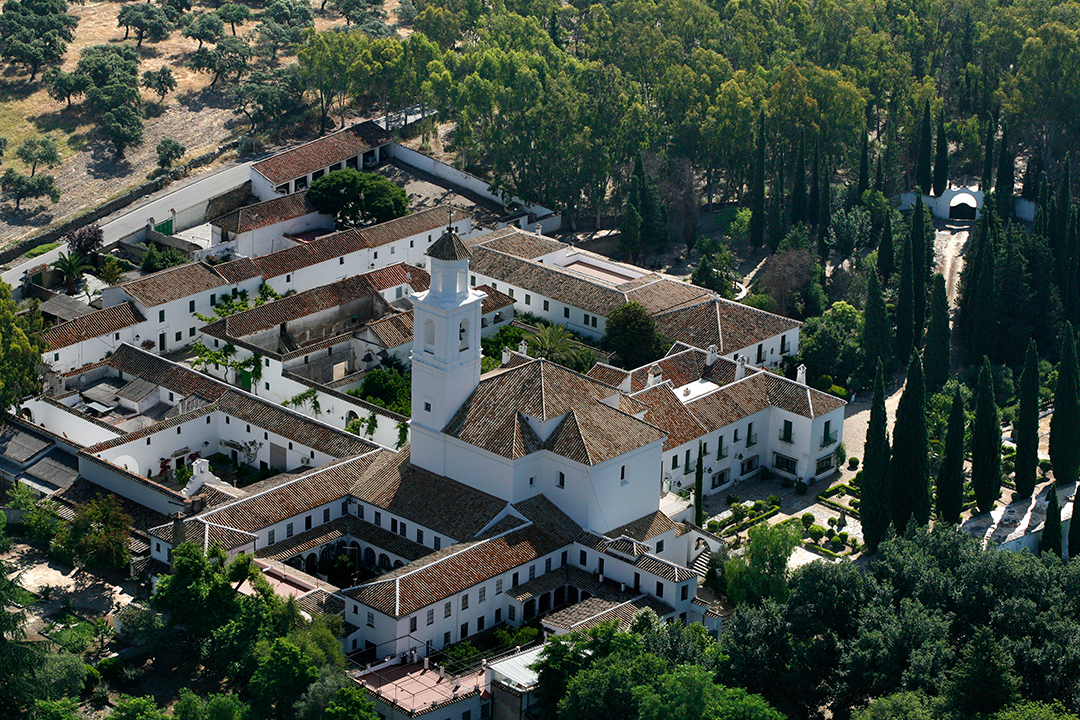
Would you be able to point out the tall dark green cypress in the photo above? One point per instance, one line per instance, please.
(905, 305)
(825, 214)
(908, 471)
(1074, 528)
(923, 178)
(988, 156)
(886, 263)
(813, 206)
(1060, 222)
(1027, 425)
(864, 168)
(699, 489)
(875, 504)
(879, 177)
(1050, 541)
(1006, 177)
(798, 192)
(983, 302)
(950, 478)
(917, 242)
(757, 193)
(986, 443)
(777, 224)
(1065, 423)
(938, 338)
(941, 159)
(877, 335)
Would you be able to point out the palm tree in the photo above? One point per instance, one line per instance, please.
(71, 266)
(555, 343)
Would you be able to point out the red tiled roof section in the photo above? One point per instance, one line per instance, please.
(514, 241)
(324, 152)
(670, 415)
(665, 294)
(264, 214)
(140, 363)
(607, 374)
(729, 325)
(397, 274)
(394, 330)
(424, 221)
(92, 325)
(686, 367)
(174, 283)
(495, 300)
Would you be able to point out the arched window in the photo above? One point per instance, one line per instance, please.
(429, 335)
(384, 561)
(369, 556)
(463, 334)
(350, 416)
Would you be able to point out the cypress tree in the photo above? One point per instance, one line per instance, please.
(950, 478)
(699, 489)
(879, 178)
(757, 195)
(825, 214)
(917, 241)
(941, 159)
(983, 303)
(938, 338)
(813, 206)
(1074, 529)
(1059, 222)
(798, 192)
(988, 157)
(1006, 177)
(908, 471)
(877, 335)
(886, 263)
(777, 228)
(875, 506)
(1065, 423)
(1050, 542)
(1027, 425)
(986, 443)
(922, 168)
(864, 169)
(905, 305)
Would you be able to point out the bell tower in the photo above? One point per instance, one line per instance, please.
(446, 350)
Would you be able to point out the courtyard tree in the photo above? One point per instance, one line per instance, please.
(633, 337)
(353, 197)
(761, 572)
(71, 266)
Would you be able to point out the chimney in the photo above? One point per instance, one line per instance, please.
(539, 229)
(523, 348)
(710, 359)
(655, 376)
(442, 672)
(800, 375)
(740, 368)
(426, 663)
(506, 355)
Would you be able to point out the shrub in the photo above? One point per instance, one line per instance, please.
(854, 503)
(773, 500)
(713, 526)
(93, 679)
(800, 488)
(830, 533)
(843, 537)
(110, 668)
(853, 462)
(841, 454)
(832, 522)
(837, 543)
(739, 512)
(760, 506)
(731, 499)
(854, 544)
(807, 520)
(816, 532)
(1045, 467)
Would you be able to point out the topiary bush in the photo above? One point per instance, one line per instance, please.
(773, 500)
(731, 499)
(830, 533)
(800, 488)
(852, 463)
(837, 543)
(110, 668)
(760, 506)
(816, 532)
(713, 526)
(807, 520)
(832, 522)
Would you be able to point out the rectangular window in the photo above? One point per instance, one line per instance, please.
(191, 332)
(583, 559)
(600, 566)
(721, 451)
(783, 463)
(412, 624)
(483, 594)
(191, 306)
(472, 280)
(420, 536)
(436, 542)
(289, 530)
(828, 436)
(547, 565)
(498, 615)
(511, 612)
(720, 478)
(736, 434)
(345, 507)
(594, 321)
(622, 472)
(326, 515)
(464, 630)
(370, 619)
(824, 464)
(585, 318)
(532, 572)
(270, 538)
(213, 299)
(498, 586)
(404, 532)
(161, 316)
(447, 610)
(688, 466)
(179, 336)
(566, 312)
(479, 627)
(546, 306)
(378, 518)
(785, 433)
(341, 261)
(751, 438)
(659, 546)
(431, 616)
(465, 601)
(562, 480)
(685, 592)
(514, 580)
(528, 299)
(445, 639)
(674, 462)
(659, 589)
(749, 465)
(563, 559)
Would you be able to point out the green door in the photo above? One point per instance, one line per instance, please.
(245, 379)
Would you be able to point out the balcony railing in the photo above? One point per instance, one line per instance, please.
(828, 439)
(721, 453)
(751, 440)
(787, 437)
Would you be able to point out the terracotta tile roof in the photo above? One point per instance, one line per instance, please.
(428, 220)
(273, 314)
(320, 602)
(460, 566)
(645, 528)
(559, 577)
(516, 242)
(686, 365)
(665, 569)
(757, 392)
(608, 374)
(447, 507)
(393, 330)
(595, 610)
(668, 413)
(160, 371)
(495, 299)
(663, 294)
(264, 214)
(346, 527)
(92, 325)
(495, 415)
(398, 274)
(324, 152)
(238, 270)
(729, 325)
(449, 247)
(174, 283)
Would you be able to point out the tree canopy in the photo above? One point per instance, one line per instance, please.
(353, 197)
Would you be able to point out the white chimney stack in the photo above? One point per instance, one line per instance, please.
(655, 376)
(740, 368)
(710, 359)
(800, 375)
(506, 355)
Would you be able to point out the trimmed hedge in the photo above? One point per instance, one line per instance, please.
(748, 523)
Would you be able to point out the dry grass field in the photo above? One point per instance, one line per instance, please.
(197, 115)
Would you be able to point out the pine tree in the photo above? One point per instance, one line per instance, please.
(757, 197)
(699, 489)
(875, 504)
(950, 478)
(908, 471)
(1006, 177)
(877, 335)
(988, 157)
(938, 338)
(886, 263)
(1074, 529)
(905, 306)
(941, 159)
(864, 168)
(917, 242)
(986, 443)
(1050, 541)
(813, 205)
(1027, 425)
(798, 192)
(1065, 423)
(922, 169)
